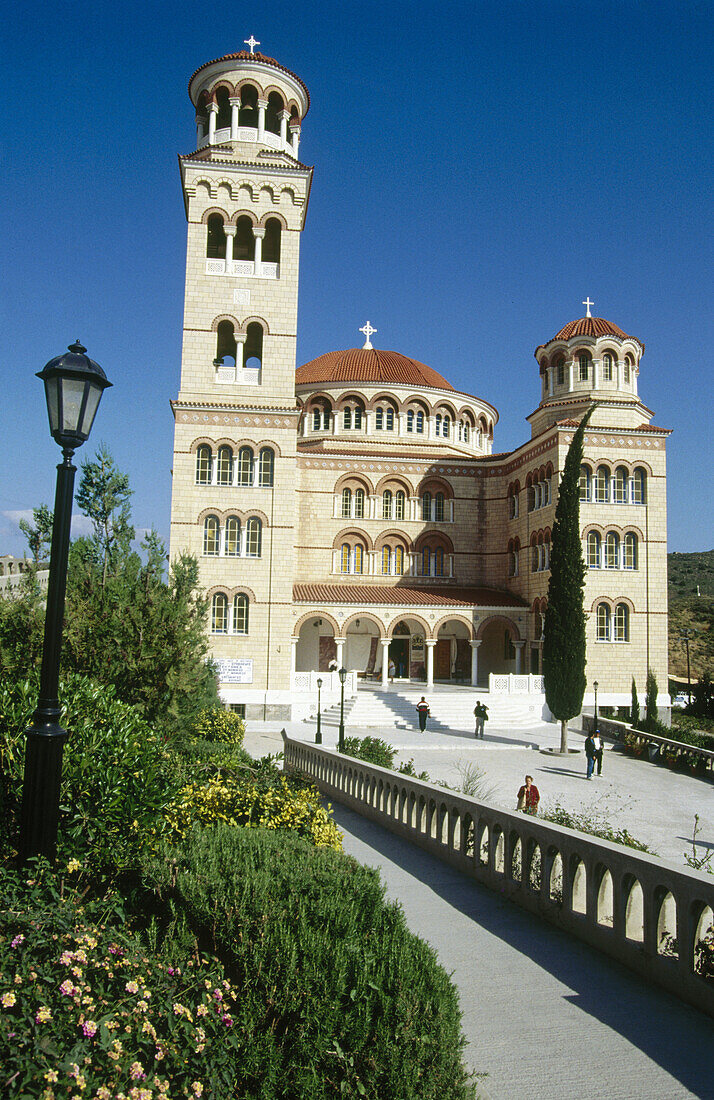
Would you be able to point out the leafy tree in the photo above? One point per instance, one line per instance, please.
(634, 706)
(703, 702)
(38, 537)
(651, 713)
(564, 636)
(103, 496)
(22, 622)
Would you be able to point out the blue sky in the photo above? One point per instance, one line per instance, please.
(480, 168)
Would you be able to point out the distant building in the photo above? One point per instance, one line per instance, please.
(353, 512)
(12, 571)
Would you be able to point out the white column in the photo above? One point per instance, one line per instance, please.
(451, 510)
(340, 643)
(284, 117)
(262, 104)
(595, 373)
(474, 662)
(570, 374)
(258, 233)
(230, 232)
(293, 653)
(430, 643)
(235, 108)
(200, 132)
(241, 338)
(295, 139)
(551, 371)
(212, 116)
(518, 646)
(385, 662)
(635, 372)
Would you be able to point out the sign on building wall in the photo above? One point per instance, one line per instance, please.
(235, 670)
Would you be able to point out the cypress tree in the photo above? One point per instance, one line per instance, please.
(635, 706)
(651, 713)
(564, 640)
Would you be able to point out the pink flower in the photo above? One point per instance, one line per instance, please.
(17, 941)
(67, 989)
(136, 1071)
(131, 987)
(8, 1000)
(217, 994)
(43, 1015)
(227, 1021)
(89, 1028)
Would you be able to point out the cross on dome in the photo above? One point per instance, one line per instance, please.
(252, 42)
(367, 330)
(587, 303)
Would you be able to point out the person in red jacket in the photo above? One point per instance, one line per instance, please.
(423, 712)
(528, 797)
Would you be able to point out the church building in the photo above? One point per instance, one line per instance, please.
(352, 512)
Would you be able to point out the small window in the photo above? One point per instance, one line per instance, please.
(358, 417)
(426, 562)
(399, 504)
(211, 536)
(603, 622)
(602, 485)
(347, 418)
(560, 371)
(387, 499)
(232, 543)
(346, 502)
(316, 419)
(630, 551)
(359, 504)
(607, 367)
(219, 614)
(253, 537)
(410, 421)
(439, 508)
(438, 562)
(426, 506)
(386, 560)
(420, 423)
(345, 558)
(622, 623)
(619, 488)
(446, 427)
(224, 466)
(399, 561)
(389, 420)
(583, 367)
(266, 467)
(467, 432)
(203, 465)
(612, 551)
(379, 420)
(593, 550)
(534, 558)
(358, 558)
(585, 483)
(438, 423)
(245, 466)
(240, 614)
(639, 487)
(627, 369)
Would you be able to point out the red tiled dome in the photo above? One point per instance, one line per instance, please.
(590, 326)
(369, 365)
(244, 55)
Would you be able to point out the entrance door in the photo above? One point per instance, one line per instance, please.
(399, 653)
(442, 659)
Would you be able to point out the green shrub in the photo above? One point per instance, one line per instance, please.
(370, 749)
(336, 998)
(85, 1012)
(596, 824)
(117, 781)
(218, 724)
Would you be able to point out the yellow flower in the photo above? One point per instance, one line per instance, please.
(8, 1000)
(74, 865)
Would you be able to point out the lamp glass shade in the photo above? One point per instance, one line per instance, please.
(319, 682)
(73, 386)
(342, 675)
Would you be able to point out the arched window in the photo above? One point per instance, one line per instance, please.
(602, 485)
(603, 622)
(386, 559)
(211, 536)
(420, 423)
(359, 505)
(253, 537)
(379, 420)
(244, 242)
(593, 550)
(347, 418)
(399, 504)
(248, 114)
(512, 562)
(224, 466)
(410, 421)
(216, 238)
(438, 562)
(559, 368)
(629, 551)
(223, 119)
(531, 498)
(399, 561)
(345, 558)
(253, 351)
(639, 487)
(387, 499)
(346, 502)
(622, 623)
(266, 467)
(607, 367)
(546, 552)
(627, 369)
(271, 241)
(226, 347)
(358, 417)
(245, 466)
(219, 614)
(438, 423)
(534, 557)
(389, 420)
(585, 475)
(426, 562)
(612, 550)
(204, 463)
(272, 113)
(358, 557)
(446, 427)
(232, 537)
(439, 508)
(240, 614)
(619, 487)
(583, 367)
(426, 506)
(316, 419)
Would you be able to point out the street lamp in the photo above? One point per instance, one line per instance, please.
(341, 738)
(595, 685)
(318, 731)
(73, 388)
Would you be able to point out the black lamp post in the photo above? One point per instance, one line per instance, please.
(341, 738)
(318, 731)
(595, 685)
(73, 388)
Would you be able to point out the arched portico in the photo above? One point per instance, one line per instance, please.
(315, 646)
(452, 653)
(501, 647)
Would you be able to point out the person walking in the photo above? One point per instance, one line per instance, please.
(590, 754)
(392, 670)
(528, 797)
(598, 751)
(423, 713)
(481, 716)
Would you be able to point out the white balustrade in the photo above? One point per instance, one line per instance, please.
(507, 683)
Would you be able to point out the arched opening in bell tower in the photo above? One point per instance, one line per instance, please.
(271, 242)
(244, 245)
(248, 114)
(254, 346)
(226, 347)
(223, 120)
(216, 243)
(272, 113)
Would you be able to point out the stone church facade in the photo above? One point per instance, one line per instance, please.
(353, 512)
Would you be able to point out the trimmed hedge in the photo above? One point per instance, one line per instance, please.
(337, 998)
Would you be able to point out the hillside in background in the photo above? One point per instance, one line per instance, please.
(687, 573)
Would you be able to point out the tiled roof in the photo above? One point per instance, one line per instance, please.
(398, 595)
(369, 365)
(244, 55)
(590, 326)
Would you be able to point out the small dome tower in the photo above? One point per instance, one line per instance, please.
(590, 360)
(248, 99)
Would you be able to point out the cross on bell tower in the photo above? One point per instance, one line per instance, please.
(368, 331)
(252, 42)
(587, 303)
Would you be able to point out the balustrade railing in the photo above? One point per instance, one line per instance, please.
(659, 748)
(263, 270)
(509, 683)
(648, 914)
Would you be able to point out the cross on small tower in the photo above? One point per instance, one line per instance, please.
(252, 42)
(587, 303)
(367, 330)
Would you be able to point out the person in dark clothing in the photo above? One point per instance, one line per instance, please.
(423, 713)
(598, 751)
(590, 754)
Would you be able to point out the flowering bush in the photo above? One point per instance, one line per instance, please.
(218, 724)
(85, 1013)
(235, 800)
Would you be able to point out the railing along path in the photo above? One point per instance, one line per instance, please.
(648, 914)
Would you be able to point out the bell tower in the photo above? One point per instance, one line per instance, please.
(245, 197)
